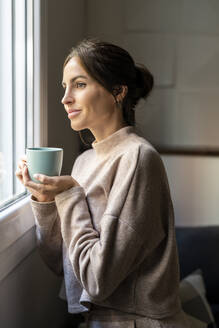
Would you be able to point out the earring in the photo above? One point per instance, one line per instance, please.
(116, 92)
(119, 103)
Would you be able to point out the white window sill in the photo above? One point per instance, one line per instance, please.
(17, 235)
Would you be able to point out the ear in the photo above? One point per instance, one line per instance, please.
(120, 92)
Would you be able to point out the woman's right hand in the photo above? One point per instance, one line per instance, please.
(23, 175)
(21, 166)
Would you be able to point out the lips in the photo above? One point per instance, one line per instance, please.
(73, 112)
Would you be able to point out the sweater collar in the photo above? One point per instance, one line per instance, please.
(113, 141)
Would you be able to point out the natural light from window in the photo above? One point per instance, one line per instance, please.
(16, 95)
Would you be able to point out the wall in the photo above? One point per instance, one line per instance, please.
(29, 295)
(65, 28)
(178, 41)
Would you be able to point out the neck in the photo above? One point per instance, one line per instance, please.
(104, 132)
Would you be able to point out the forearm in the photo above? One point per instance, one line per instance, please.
(48, 234)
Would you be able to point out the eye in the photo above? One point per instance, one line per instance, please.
(80, 85)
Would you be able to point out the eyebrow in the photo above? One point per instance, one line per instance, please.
(75, 78)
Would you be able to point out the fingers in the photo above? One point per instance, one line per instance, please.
(43, 191)
(27, 181)
(45, 179)
(25, 174)
(19, 171)
(36, 189)
(48, 186)
(19, 175)
(21, 164)
(42, 188)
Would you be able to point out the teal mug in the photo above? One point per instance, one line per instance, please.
(44, 160)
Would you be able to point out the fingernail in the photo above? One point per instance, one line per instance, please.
(36, 176)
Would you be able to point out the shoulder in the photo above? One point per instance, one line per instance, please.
(136, 158)
(143, 163)
(138, 148)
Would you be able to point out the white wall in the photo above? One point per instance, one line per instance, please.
(195, 189)
(178, 40)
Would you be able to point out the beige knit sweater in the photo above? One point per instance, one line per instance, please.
(114, 236)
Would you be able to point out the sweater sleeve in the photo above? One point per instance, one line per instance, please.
(48, 234)
(130, 228)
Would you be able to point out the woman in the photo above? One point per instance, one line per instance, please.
(109, 227)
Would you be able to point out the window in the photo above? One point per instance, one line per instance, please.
(16, 93)
(23, 118)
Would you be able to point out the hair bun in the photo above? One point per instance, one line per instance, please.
(144, 81)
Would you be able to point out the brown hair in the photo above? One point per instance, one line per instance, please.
(112, 67)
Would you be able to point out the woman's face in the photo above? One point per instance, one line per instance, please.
(88, 104)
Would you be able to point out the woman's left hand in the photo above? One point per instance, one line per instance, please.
(49, 186)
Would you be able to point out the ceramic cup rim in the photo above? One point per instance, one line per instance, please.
(43, 149)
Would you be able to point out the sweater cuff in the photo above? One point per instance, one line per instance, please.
(33, 201)
(44, 213)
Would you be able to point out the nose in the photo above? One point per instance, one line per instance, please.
(67, 98)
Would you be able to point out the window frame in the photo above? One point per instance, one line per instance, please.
(19, 212)
(20, 88)
(36, 95)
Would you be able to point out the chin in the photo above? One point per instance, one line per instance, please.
(77, 127)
